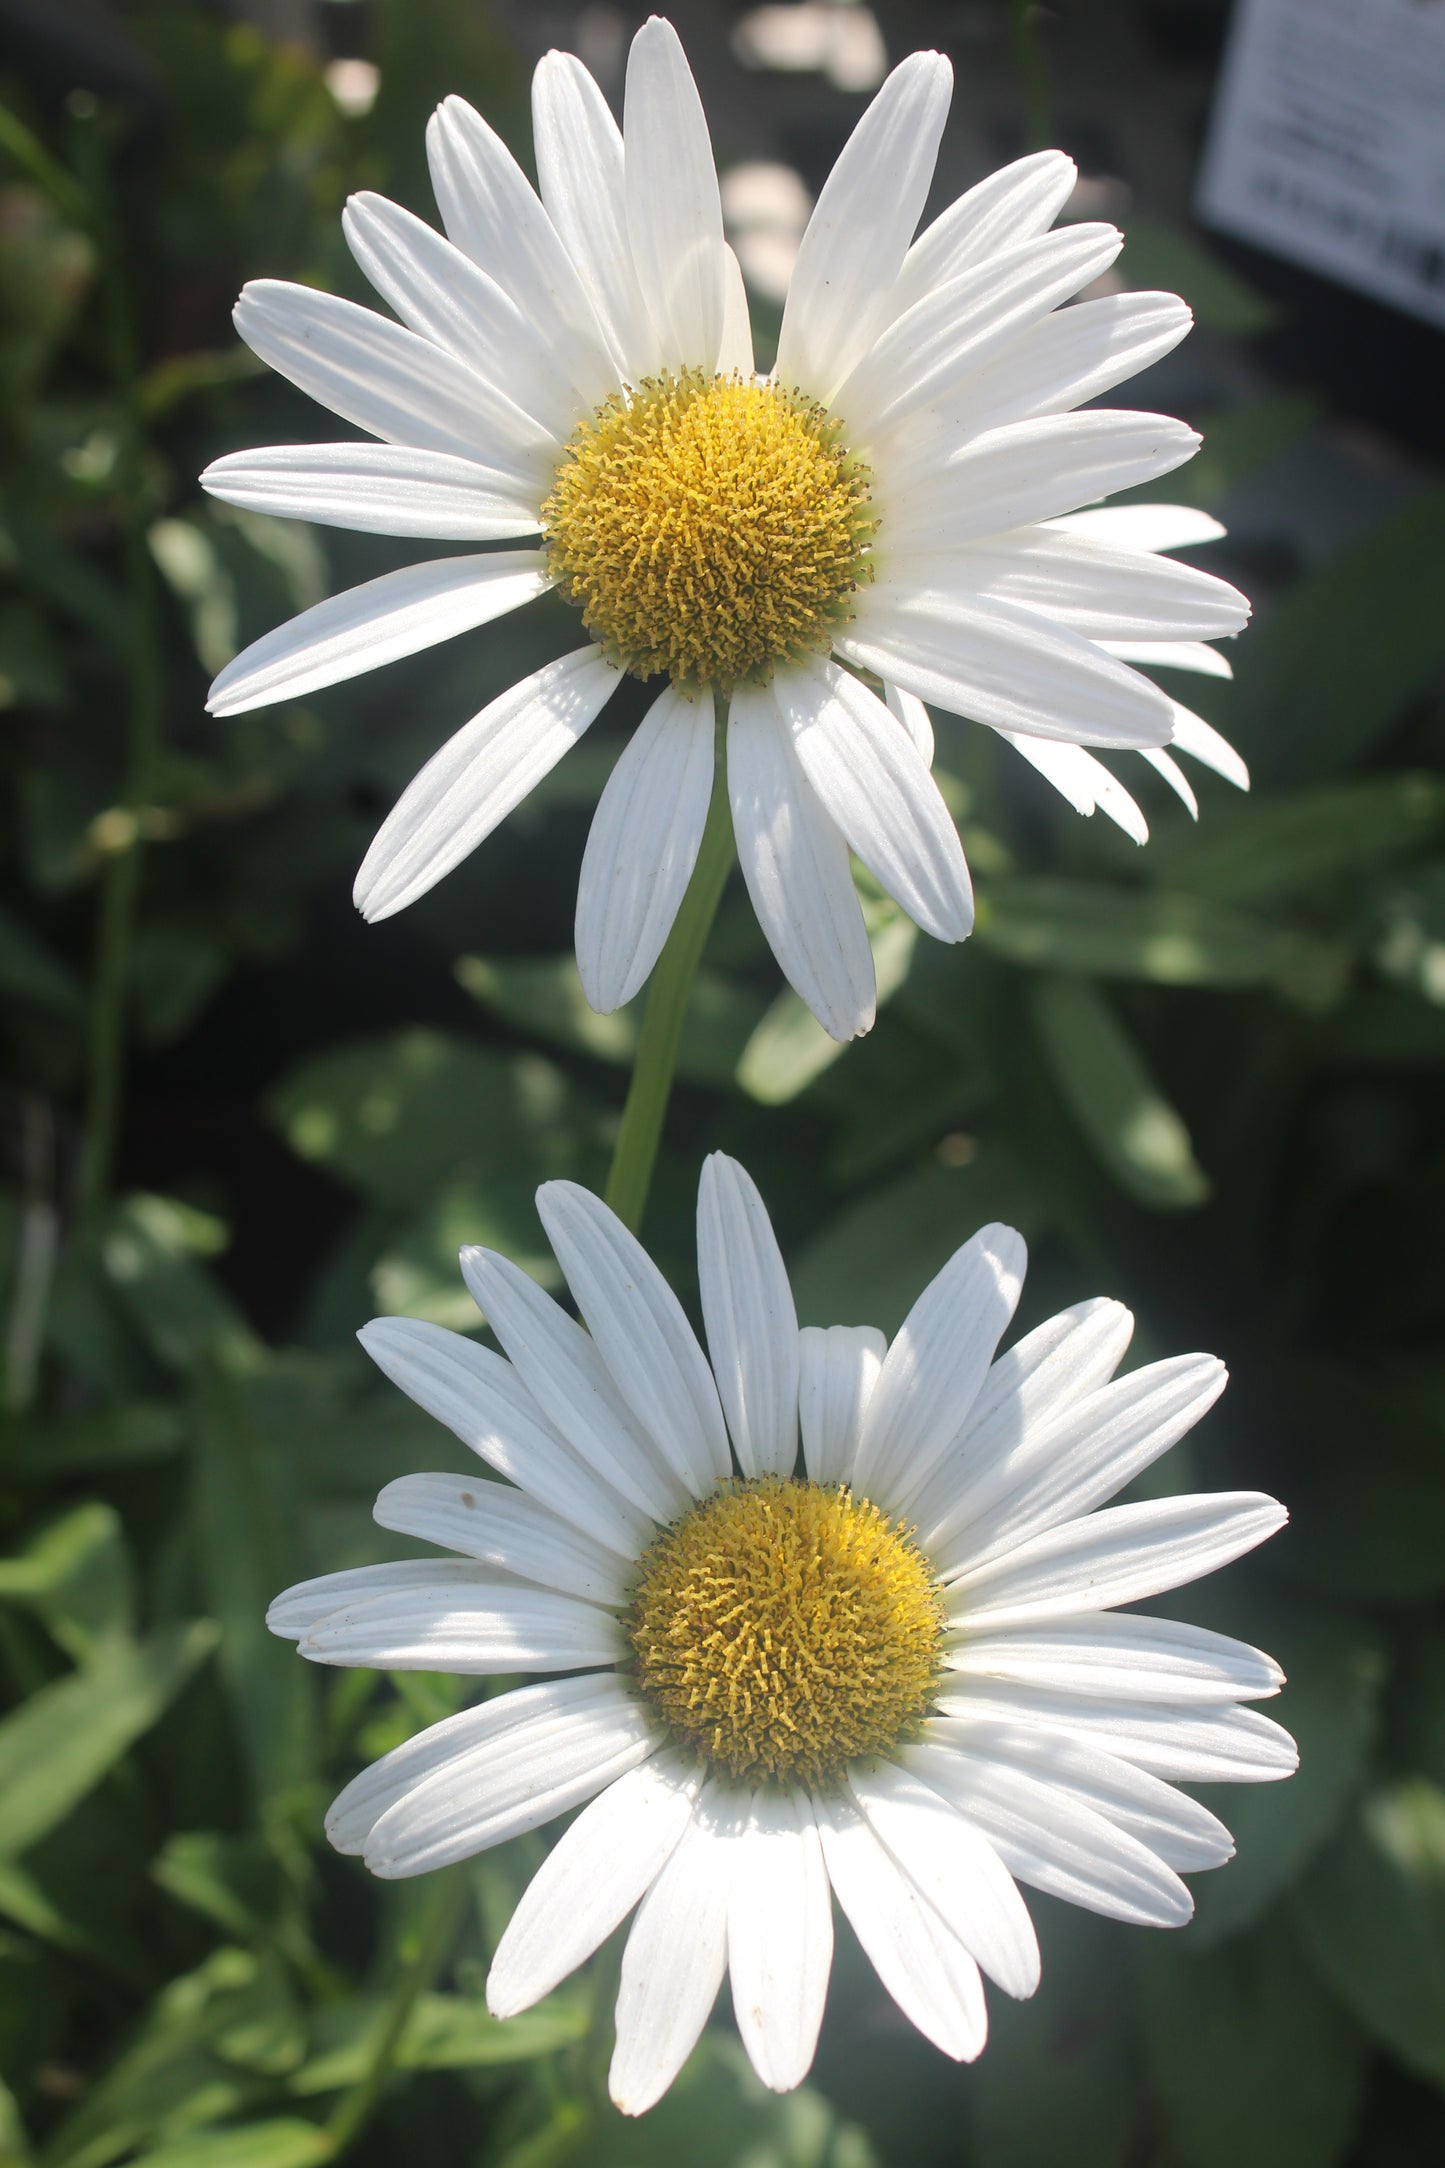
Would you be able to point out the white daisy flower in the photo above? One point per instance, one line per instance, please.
(899, 498)
(896, 1674)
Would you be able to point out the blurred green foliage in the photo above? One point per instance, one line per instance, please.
(1206, 1077)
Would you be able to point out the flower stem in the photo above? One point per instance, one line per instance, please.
(635, 1153)
(120, 887)
(436, 1922)
(1033, 71)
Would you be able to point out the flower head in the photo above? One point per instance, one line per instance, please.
(891, 517)
(895, 1673)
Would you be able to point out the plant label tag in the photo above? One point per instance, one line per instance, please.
(1327, 143)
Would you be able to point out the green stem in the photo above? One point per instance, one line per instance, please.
(120, 887)
(437, 1921)
(1033, 73)
(635, 1153)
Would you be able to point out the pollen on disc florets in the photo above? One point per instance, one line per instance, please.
(711, 527)
(782, 1630)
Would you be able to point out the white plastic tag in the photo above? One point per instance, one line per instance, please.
(1327, 143)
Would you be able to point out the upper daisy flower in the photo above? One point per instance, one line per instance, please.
(891, 517)
(895, 1673)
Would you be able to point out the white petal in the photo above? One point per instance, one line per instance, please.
(1001, 665)
(1061, 1361)
(872, 780)
(377, 489)
(1011, 205)
(533, 1718)
(914, 717)
(504, 1784)
(642, 1332)
(1184, 1746)
(735, 355)
(752, 1326)
(388, 381)
(1116, 1556)
(1120, 1654)
(296, 1610)
(1032, 470)
(483, 1400)
(954, 1867)
(1172, 655)
(1104, 592)
(1050, 367)
(591, 1879)
(957, 328)
(642, 847)
(780, 1937)
(398, 614)
(565, 1373)
(936, 1365)
(1052, 1841)
(674, 212)
(478, 1630)
(1194, 736)
(795, 863)
(1164, 764)
(444, 296)
(502, 1527)
(1143, 526)
(838, 1369)
(930, 1975)
(580, 175)
(477, 778)
(675, 1957)
(1181, 1832)
(492, 213)
(1033, 1477)
(1084, 781)
(858, 235)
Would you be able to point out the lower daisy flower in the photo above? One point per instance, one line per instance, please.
(896, 1674)
(894, 515)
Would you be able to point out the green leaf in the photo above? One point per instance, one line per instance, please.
(1307, 842)
(718, 2115)
(1409, 943)
(1103, 1080)
(245, 1527)
(1253, 2062)
(444, 2032)
(133, 1434)
(77, 1575)
(543, 997)
(1159, 256)
(869, 1263)
(416, 1274)
(149, 1252)
(1131, 933)
(1372, 1915)
(172, 2082)
(1338, 661)
(281, 2142)
(59, 1744)
(1335, 1668)
(790, 1048)
(397, 1116)
(14, 2145)
(232, 1881)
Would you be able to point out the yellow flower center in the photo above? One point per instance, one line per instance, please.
(783, 1630)
(709, 527)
